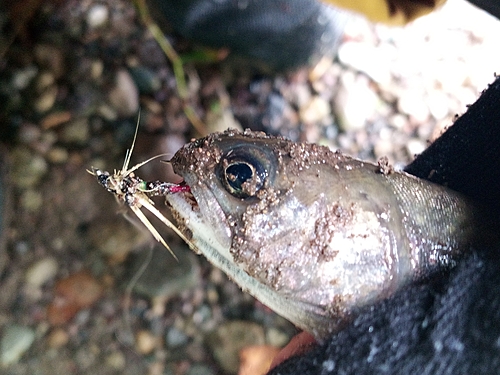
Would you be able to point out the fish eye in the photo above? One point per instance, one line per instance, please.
(243, 178)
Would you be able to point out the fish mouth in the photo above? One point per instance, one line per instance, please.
(200, 218)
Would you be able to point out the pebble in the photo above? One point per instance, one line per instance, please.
(438, 104)
(117, 237)
(41, 272)
(58, 338)
(116, 360)
(51, 58)
(256, 359)
(72, 294)
(31, 200)
(97, 16)
(22, 78)
(229, 338)
(412, 103)
(124, 96)
(146, 81)
(220, 120)
(175, 338)
(76, 131)
(355, 102)
(415, 146)
(55, 119)
(165, 276)
(28, 167)
(275, 337)
(199, 369)
(145, 342)
(317, 110)
(46, 100)
(57, 155)
(377, 66)
(16, 340)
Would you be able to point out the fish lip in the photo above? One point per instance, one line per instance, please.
(197, 211)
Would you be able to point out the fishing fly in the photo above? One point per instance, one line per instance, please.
(134, 192)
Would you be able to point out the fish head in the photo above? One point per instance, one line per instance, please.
(257, 209)
(313, 234)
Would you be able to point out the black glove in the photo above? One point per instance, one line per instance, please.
(280, 34)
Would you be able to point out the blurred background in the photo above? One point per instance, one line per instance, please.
(85, 291)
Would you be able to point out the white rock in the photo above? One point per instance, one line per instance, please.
(124, 97)
(15, 341)
(315, 111)
(355, 102)
(97, 16)
(412, 103)
(438, 103)
(373, 60)
(41, 272)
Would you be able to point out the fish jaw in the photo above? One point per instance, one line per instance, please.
(307, 316)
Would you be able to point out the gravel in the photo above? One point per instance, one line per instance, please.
(71, 87)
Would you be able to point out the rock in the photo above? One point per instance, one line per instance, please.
(57, 155)
(256, 359)
(199, 369)
(124, 97)
(58, 338)
(415, 146)
(46, 100)
(377, 66)
(72, 294)
(165, 276)
(97, 16)
(230, 338)
(51, 58)
(146, 342)
(275, 337)
(355, 102)
(55, 119)
(76, 131)
(31, 200)
(438, 104)
(146, 81)
(175, 338)
(41, 272)
(116, 237)
(28, 168)
(16, 340)
(22, 78)
(116, 360)
(411, 102)
(317, 110)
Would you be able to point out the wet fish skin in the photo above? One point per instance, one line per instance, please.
(314, 234)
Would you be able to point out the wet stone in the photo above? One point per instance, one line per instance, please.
(124, 97)
(97, 16)
(199, 369)
(175, 338)
(230, 338)
(16, 340)
(31, 200)
(76, 131)
(146, 81)
(164, 276)
(28, 168)
(41, 272)
(116, 238)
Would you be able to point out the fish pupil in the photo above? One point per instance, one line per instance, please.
(237, 174)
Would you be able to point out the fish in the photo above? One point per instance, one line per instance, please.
(312, 233)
